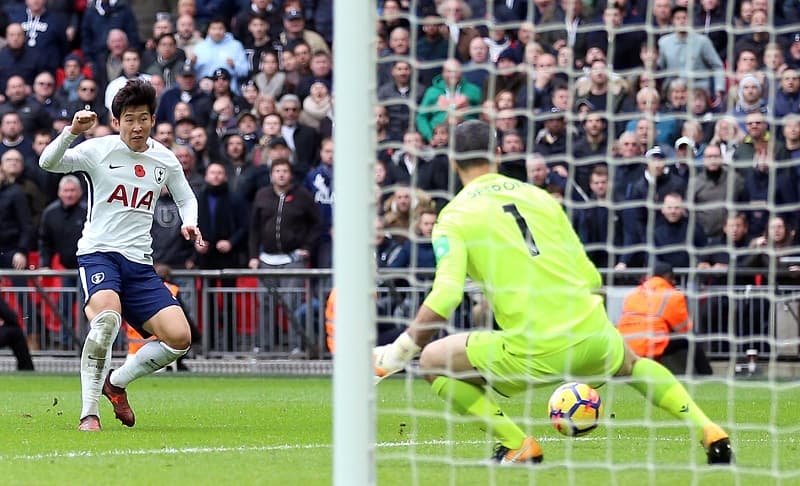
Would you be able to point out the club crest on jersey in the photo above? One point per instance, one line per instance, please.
(98, 277)
(160, 174)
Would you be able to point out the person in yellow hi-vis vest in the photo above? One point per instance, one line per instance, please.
(136, 341)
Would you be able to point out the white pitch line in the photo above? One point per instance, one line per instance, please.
(289, 447)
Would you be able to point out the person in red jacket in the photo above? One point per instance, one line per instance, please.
(655, 323)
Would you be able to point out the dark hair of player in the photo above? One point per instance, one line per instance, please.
(474, 144)
(135, 93)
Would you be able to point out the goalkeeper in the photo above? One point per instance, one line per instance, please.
(535, 273)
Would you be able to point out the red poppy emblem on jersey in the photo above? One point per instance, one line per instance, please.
(138, 170)
(289, 198)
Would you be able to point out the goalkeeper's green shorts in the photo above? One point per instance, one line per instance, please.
(592, 360)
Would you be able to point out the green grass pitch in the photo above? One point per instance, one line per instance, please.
(243, 430)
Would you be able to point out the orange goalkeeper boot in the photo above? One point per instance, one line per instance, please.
(717, 445)
(119, 399)
(528, 452)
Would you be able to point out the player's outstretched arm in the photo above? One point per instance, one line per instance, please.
(394, 357)
(56, 157)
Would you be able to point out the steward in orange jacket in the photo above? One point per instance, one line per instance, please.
(655, 322)
(650, 313)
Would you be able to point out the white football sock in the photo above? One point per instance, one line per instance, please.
(96, 358)
(150, 358)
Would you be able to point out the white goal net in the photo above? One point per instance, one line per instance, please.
(670, 132)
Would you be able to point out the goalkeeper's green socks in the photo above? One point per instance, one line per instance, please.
(660, 386)
(466, 398)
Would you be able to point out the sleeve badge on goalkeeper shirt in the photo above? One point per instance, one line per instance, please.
(441, 247)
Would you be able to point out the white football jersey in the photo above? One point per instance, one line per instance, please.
(123, 188)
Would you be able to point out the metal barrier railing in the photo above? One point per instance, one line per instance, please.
(274, 313)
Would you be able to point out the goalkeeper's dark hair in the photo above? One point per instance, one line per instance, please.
(135, 93)
(474, 144)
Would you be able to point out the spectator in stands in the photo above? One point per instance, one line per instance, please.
(316, 106)
(45, 31)
(766, 198)
(203, 153)
(595, 88)
(17, 231)
(792, 57)
(512, 148)
(648, 102)
(787, 96)
(270, 80)
(449, 97)
(728, 135)
(791, 138)
(220, 50)
(13, 137)
(16, 58)
(711, 21)
(395, 94)
(13, 166)
(31, 113)
(677, 240)
(164, 133)
(43, 90)
(758, 36)
(108, 65)
(186, 36)
(598, 226)
(267, 11)
(734, 234)
(284, 227)
(746, 64)
(11, 335)
(294, 29)
(319, 183)
(536, 170)
(398, 48)
(59, 231)
(257, 41)
(713, 192)
(689, 52)
(169, 246)
(416, 165)
(652, 187)
(476, 69)
(131, 69)
(700, 104)
(186, 157)
(655, 323)
(302, 55)
(552, 139)
(88, 96)
(46, 181)
(321, 71)
(186, 90)
(169, 59)
(302, 139)
(432, 45)
(73, 74)
(98, 21)
(417, 252)
(398, 210)
(750, 99)
(589, 152)
(621, 48)
(223, 215)
(771, 247)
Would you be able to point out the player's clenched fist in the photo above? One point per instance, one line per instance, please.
(82, 121)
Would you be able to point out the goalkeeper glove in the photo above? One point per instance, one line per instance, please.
(391, 358)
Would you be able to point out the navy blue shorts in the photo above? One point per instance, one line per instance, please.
(141, 291)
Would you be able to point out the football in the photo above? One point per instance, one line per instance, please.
(575, 409)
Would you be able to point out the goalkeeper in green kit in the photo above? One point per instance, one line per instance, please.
(515, 241)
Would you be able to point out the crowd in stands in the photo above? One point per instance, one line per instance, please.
(667, 132)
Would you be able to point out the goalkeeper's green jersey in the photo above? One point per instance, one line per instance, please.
(515, 241)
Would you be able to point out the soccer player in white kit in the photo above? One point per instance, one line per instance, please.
(125, 174)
